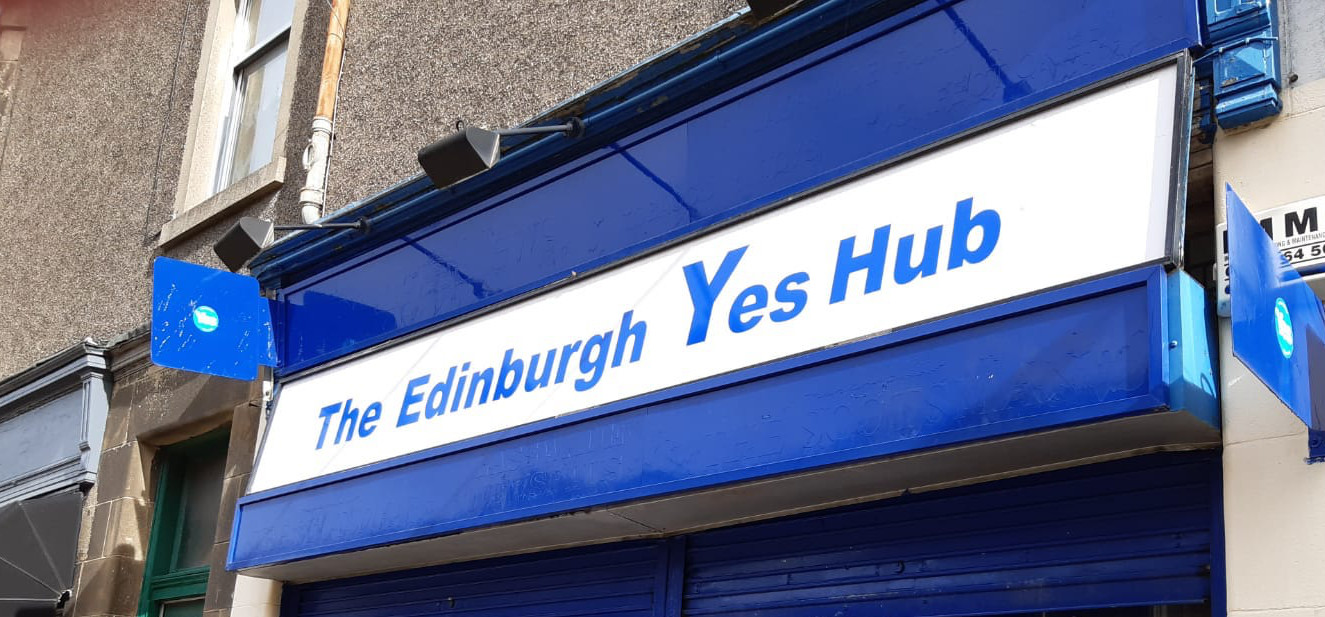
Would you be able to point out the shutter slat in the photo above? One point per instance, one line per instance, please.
(1129, 532)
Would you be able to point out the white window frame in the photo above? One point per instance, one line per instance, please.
(198, 202)
(241, 60)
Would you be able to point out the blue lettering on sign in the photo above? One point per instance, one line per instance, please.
(596, 355)
(792, 300)
(704, 292)
(587, 362)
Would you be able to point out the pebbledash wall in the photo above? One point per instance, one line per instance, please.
(861, 306)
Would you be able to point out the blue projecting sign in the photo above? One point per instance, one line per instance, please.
(209, 321)
(1278, 327)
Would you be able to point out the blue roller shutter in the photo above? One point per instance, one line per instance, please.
(1133, 532)
(612, 581)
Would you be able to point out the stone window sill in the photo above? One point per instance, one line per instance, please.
(242, 193)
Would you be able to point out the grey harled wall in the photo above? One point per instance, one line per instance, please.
(92, 94)
(102, 87)
(412, 69)
(77, 173)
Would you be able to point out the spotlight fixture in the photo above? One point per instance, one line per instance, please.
(764, 9)
(250, 235)
(472, 150)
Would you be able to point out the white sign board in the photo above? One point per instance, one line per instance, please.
(1295, 228)
(1021, 208)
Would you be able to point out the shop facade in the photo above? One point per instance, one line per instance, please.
(868, 306)
(52, 417)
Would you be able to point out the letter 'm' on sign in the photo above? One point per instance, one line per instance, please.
(1298, 223)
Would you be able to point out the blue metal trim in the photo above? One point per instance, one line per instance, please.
(1145, 287)
(304, 259)
(1218, 563)
(1193, 382)
(290, 601)
(1083, 414)
(1148, 277)
(673, 593)
(1157, 290)
(234, 534)
(1244, 60)
(660, 576)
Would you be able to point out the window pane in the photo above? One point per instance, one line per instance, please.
(201, 503)
(182, 608)
(261, 20)
(259, 92)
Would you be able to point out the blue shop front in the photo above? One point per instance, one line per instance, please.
(869, 307)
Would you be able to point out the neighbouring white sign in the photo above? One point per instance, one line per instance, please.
(1295, 228)
(1069, 193)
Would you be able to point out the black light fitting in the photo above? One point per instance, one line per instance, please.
(250, 235)
(763, 9)
(471, 150)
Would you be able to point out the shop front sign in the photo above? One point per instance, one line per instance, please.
(1004, 213)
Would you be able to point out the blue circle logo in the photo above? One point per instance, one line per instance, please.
(206, 319)
(1283, 327)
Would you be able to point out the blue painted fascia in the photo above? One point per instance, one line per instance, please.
(1218, 560)
(1058, 393)
(1157, 396)
(1192, 382)
(1315, 446)
(731, 53)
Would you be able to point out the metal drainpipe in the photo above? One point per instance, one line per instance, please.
(318, 153)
